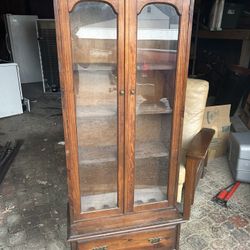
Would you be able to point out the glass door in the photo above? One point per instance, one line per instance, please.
(94, 49)
(157, 45)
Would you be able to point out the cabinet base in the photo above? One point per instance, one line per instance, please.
(161, 238)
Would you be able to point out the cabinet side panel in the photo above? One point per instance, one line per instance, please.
(68, 103)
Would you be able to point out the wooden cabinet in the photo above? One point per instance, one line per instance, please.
(123, 71)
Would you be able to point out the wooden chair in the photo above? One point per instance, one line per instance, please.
(195, 143)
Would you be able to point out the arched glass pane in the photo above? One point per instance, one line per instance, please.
(94, 50)
(157, 41)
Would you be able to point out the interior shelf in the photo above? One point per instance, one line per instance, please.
(152, 108)
(95, 155)
(96, 111)
(92, 67)
(99, 201)
(111, 110)
(150, 194)
(154, 66)
(151, 150)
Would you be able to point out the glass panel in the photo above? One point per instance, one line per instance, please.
(157, 37)
(94, 49)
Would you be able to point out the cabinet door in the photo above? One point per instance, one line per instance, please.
(157, 40)
(94, 109)
(155, 102)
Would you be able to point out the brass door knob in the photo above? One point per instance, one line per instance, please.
(122, 92)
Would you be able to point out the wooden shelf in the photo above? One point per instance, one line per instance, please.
(230, 34)
(95, 111)
(92, 67)
(108, 200)
(151, 150)
(151, 109)
(98, 155)
(99, 201)
(151, 66)
(150, 194)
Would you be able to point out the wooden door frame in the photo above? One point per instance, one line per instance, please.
(185, 24)
(62, 16)
(126, 74)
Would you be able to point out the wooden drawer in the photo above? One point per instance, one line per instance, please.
(155, 239)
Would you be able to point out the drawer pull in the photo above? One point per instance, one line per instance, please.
(154, 241)
(100, 248)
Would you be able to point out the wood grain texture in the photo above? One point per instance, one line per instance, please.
(113, 3)
(130, 80)
(68, 103)
(130, 222)
(195, 161)
(121, 104)
(189, 186)
(184, 44)
(178, 109)
(150, 206)
(164, 238)
(199, 145)
(175, 3)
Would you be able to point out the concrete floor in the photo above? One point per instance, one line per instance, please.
(33, 196)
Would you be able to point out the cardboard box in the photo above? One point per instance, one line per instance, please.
(218, 118)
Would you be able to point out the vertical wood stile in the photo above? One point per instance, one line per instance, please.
(68, 103)
(181, 79)
(121, 103)
(186, 25)
(130, 81)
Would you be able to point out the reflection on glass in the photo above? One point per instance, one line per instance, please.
(157, 37)
(94, 44)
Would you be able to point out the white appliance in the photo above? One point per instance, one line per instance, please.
(23, 46)
(46, 36)
(10, 90)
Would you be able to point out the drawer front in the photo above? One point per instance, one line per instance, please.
(155, 239)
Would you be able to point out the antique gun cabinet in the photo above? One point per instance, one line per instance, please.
(123, 70)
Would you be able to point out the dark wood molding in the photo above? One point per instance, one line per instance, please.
(200, 143)
(113, 3)
(175, 3)
(196, 159)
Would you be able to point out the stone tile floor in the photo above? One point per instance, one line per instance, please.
(33, 196)
(213, 226)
